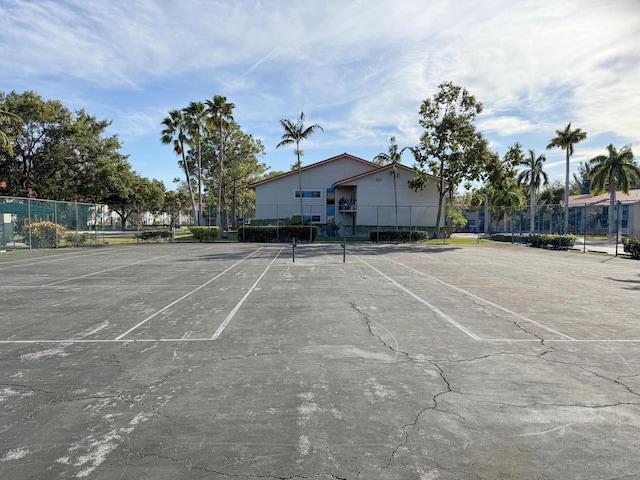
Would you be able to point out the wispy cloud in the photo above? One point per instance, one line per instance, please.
(359, 68)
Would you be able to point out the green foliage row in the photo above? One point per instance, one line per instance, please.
(504, 237)
(632, 246)
(205, 234)
(398, 236)
(539, 240)
(77, 239)
(271, 234)
(153, 235)
(553, 241)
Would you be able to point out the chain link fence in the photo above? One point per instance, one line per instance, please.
(35, 223)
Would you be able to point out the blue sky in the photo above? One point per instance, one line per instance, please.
(360, 69)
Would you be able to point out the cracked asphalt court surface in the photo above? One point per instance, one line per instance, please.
(231, 361)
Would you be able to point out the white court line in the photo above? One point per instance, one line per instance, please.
(487, 302)
(226, 321)
(108, 270)
(424, 302)
(185, 296)
(58, 257)
(208, 339)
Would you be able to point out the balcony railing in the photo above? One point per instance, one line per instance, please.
(347, 207)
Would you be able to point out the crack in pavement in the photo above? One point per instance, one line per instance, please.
(415, 421)
(368, 322)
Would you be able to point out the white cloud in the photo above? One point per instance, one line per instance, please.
(359, 68)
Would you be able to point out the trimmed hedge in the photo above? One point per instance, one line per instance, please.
(272, 234)
(552, 241)
(632, 246)
(398, 236)
(152, 236)
(506, 237)
(205, 234)
(539, 240)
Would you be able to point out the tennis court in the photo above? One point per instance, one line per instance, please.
(207, 361)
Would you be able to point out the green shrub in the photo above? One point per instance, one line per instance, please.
(76, 239)
(501, 237)
(632, 246)
(46, 234)
(552, 241)
(152, 235)
(398, 236)
(205, 234)
(271, 234)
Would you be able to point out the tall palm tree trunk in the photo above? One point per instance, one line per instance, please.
(218, 206)
(612, 205)
(300, 183)
(532, 209)
(566, 196)
(188, 177)
(200, 216)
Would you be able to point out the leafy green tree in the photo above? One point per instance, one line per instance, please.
(57, 152)
(451, 148)
(505, 196)
(612, 172)
(566, 139)
(294, 133)
(4, 138)
(220, 116)
(175, 133)
(393, 158)
(534, 177)
(176, 202)
(241, 167)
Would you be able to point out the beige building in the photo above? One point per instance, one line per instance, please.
(348, 192)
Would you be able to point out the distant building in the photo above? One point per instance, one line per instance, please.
(350, 193)
(592, 212)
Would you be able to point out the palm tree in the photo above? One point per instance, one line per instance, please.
(534, 176)
(566, 139)
(220, 115)
(175, 133)
(294, 132)
(506, 193)
(393, 158)
(613, 171)
(4, 138)
(195, 116)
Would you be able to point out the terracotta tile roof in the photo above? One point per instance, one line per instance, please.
(576, 200)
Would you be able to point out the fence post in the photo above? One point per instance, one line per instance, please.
(29, 221)
(584, 242)
(618, 209)
(344, 250)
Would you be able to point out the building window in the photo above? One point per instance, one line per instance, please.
(331, 196)
(625, 212)
(308, 194)
(314, 218)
